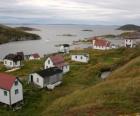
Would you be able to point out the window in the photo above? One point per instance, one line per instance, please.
(10, 63)
(48, 61)
(16, 91)
(81, 57)
(16, 83)
(5, 93)
(76, 57)
(37, 80)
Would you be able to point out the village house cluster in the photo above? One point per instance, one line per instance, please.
(55, 66)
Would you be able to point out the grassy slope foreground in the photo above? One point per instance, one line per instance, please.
(8, 34)
(83, 93)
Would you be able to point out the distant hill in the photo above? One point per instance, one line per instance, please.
(27, 29)
(8, 34)
(129, 27)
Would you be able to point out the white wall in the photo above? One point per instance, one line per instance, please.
(64, 49)
(16, 97)
(48, 65)
(35, 77)
(100, 47)
(11, 64)
(66, 69)
(4, 99)
(80, 58)
(32, 58)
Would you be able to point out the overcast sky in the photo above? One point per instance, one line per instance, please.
(103, 12)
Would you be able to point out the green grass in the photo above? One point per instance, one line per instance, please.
(82, 91)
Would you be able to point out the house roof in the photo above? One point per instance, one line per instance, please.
(101, 42)
(13, 57)
(57, 59)
(21, 54)
(6, 81)
(66, 45)
(36, 55)
(49, 72)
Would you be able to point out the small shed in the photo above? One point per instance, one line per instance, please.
(48, 78)
(84, 58)
(64, 48)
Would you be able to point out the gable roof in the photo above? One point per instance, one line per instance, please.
(101, 42)
(6, 81)
(57, 59)
(36, 55)
(13, 57)
(49, 72)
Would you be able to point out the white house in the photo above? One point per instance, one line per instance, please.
(128, 43)
(12, 60)
(11, 91)
(100, 44)
(84, 58)
(113, 46)
(48, 78)
(57, 61)
(64, 48)
(35, 56)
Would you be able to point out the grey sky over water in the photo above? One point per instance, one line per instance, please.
(96, 12)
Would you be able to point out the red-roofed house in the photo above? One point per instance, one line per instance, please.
(11, 91)
(57, 61)
(101, 44)
(35, 56)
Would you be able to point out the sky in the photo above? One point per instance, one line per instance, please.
(94, 12)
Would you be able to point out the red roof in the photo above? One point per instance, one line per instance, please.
(101, 42)
(36, 55)
(6, 81)
(57, 59)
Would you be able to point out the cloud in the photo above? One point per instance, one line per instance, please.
(71, 11)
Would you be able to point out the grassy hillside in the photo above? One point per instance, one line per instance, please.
(8, 34)
(26, 29)
(114, 96)
(83, 92)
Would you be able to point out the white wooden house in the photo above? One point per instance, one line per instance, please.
(129, 43)
(11, 91)
(48, 78)
(35, 56)
(100, 44)
(64, 48)
(12, 61)
(84, 58)
(57, 61)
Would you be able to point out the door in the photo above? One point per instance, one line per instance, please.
(31, 78)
